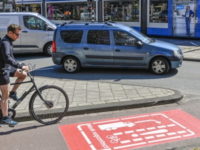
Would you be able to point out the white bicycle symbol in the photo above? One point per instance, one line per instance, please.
(113, 138)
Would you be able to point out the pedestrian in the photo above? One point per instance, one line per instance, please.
(188, 15)
(9, 67)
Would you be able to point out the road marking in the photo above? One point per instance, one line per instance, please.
(132, 132)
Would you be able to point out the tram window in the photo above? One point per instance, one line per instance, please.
(158, 11)
(126, 11)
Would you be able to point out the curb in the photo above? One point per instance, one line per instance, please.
(191, 59)
(114, 106)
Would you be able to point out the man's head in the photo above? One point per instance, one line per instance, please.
(188, 7)
(13, 31)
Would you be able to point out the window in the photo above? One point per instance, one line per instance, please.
(98, 37)
(124, 39)
(117, 10)
(71, 36)
(158, 11)
(34, 23)
(71, 10)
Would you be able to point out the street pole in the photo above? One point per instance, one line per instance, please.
(13, 6)
(100, 11)
(4, 4)
(144, 16)
(44, 8)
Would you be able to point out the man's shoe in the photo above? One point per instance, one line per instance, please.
(13, 95)
(9, 121)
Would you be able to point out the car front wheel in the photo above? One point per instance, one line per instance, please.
(71, 65)
(159, 66)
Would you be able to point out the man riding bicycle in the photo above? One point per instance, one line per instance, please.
(9, 67)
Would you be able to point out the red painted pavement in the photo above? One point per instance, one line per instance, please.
(132, 131)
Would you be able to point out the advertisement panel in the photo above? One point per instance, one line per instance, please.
(184, 17)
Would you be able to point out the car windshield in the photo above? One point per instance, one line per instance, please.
(48, 21)
(141, 36)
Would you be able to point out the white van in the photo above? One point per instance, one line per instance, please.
(37, 31)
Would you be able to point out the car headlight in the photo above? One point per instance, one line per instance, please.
(178, 53)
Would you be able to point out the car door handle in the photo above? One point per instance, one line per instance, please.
(24, 31)
(117, 50)
(86, 48)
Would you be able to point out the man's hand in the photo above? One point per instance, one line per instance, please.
(26, 68)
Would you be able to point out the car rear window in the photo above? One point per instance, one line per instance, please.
(98, 37)
(71, 36)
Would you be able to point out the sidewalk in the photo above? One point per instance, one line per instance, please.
(87, 96)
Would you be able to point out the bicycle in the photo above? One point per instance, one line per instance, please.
(42, 99)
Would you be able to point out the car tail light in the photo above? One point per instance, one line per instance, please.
(53, 46)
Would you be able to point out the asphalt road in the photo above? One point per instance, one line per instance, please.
(32, 135)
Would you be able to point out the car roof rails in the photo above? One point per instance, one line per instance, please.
(70, 22)
(110, 23)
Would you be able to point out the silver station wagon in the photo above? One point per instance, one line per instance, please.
(113, 45)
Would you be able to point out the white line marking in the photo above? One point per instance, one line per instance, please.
(138, 139)
(161, 126)
(171, 133)
(171, 125)
(120, 147)
(194, 44)
(165, 139)
(140, 130)
(149, 137)
(143, 121)
(160, 135)
(119, 133)
(124, 142)
(142, 116)
(181, 132)
(155, 132)
(134, 135)
(92, 147)
(128, 132)
(151, 128)
(99, 122)
(86, 138)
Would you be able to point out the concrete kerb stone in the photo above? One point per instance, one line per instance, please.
(145, 96)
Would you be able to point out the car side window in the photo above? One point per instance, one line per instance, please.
(98, 37)
(124, 39)
(34, 23)
(71, 36)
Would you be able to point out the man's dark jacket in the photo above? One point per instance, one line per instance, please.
(7, 59)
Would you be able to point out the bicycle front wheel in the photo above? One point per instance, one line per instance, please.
(43, 112)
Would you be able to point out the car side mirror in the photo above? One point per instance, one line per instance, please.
(48, 28)
(139, 44)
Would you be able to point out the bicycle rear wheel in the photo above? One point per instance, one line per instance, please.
(49, 114)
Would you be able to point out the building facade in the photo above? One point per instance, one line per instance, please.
(154, 17)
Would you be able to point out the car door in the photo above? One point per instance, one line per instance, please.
(126, 51)
(98, 49)
(34, 34)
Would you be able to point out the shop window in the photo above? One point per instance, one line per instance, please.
(72, 36)
(158, 11)
(98, 37)
(127, 11)
(124, 39)
(34, 23)
(70, 11)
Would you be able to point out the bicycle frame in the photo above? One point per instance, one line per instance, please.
(32, 88)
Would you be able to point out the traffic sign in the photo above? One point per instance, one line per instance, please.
(132, 131)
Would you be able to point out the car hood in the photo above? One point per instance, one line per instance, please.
(164, 45)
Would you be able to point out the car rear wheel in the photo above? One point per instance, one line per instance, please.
(159, 66)
(48, 49)
(71, 65)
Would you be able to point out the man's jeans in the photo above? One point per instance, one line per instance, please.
(187, 20)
